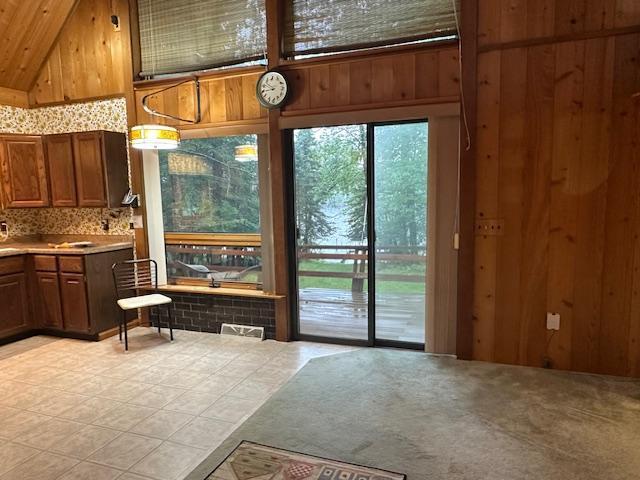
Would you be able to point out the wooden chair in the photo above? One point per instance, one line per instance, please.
(130, 278)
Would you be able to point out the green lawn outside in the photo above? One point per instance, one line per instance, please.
(345, 283)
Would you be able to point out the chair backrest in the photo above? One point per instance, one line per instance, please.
(132, 275)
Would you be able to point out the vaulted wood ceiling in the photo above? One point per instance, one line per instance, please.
(28, 30)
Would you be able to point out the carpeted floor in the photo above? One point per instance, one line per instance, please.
(439, 418)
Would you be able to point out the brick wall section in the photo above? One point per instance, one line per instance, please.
(207, 313)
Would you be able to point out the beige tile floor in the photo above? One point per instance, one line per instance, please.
(73, 410)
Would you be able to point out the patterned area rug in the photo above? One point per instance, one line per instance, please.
(250, 461)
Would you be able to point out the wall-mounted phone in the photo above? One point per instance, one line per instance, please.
(131, 200)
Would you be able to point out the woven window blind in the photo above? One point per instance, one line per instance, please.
(188, 35)
(321, 26)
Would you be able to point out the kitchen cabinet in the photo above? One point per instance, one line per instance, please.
(47, 305)
(73, 296)
(83, 169)
(14, 311)
(75, 293)
(101, 174)
(23, 173)
(59, 154)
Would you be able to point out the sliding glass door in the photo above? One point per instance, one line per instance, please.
(331, 231)
(351, 181)
(400, 222)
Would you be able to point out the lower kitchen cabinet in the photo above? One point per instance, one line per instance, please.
(73, 296)
(47, 305)
(69, 295)
(14, 304)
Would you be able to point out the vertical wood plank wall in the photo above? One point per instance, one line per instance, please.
(558, 163)
(89, 59)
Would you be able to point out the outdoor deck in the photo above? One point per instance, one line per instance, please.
(343, 314)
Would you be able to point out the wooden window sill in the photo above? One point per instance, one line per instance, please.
(225, 291)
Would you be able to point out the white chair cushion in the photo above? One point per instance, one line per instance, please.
(143, 301)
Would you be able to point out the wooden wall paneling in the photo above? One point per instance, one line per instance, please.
(89, 60)
(593, 191)
(299, 82)
(382, 79)
(217, 102)
(339, 79)
(250, 106)
(513, 20)
(448, 73)
(233, 98)
(171, 104)
(320, 87)
(540, 18)
(360, 82)
(622, 194)
(599, 15)
(522, 22)
(187, 100)
(535, 218)
(511, 160)
(627, 13)
(570, 16)
(564, 197)
(404, 77)
(488, 21)
(427, 75)
(487, 144)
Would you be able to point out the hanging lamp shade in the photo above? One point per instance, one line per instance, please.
(154, 137)
(246, 153)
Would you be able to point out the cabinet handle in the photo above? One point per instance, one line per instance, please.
(73, 282)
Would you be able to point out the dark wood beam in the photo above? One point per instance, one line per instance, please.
(468, 35)
(277, 178)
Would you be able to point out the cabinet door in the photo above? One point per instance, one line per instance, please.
(14, 310)
(90, 169)
(73, 294)
(23, 172)
(62, 177)
(47, 301)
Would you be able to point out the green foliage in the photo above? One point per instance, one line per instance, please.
(224, 199)
(331, 169)
(401, 184)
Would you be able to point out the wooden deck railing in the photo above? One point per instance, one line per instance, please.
(358, 254)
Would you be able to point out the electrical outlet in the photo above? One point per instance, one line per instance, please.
(553, 321)
(105, 224)
(4, 228)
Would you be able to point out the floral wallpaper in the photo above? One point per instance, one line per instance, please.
(78, 117)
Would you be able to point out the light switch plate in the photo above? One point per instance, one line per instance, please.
(553, 321)
(137, 222)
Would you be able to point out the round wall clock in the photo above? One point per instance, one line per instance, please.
(272, 89)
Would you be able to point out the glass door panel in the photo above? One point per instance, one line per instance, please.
(331, 212)
(400, 222)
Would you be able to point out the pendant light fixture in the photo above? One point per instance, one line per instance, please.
(246, 153)
(154, 137)
(162, 137)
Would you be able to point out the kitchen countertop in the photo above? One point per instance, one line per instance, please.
(40, 244)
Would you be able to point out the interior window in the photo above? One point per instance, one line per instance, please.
(318, 26)
(211, 210)
(189, 35)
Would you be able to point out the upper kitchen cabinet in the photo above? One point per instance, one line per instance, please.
(87, 169)
(100, 160)
(61, 170)
(23, 173)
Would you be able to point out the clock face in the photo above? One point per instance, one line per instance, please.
(272, 89)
